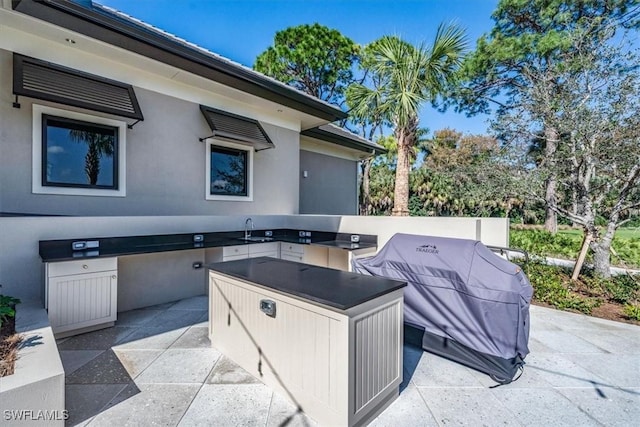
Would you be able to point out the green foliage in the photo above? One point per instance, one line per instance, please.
(7, 307)
(632, 311)
(622, 289)
(530, 35)
(403, 77)
(619, 289)
(566, 244)
(312, 58)
(551, 286)
(543, 243)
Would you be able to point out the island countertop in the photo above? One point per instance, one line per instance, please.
(333, 288)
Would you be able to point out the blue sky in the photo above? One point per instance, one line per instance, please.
(241, 29)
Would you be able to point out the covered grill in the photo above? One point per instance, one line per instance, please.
(469, 304)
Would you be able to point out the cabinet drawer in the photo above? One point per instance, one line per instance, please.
(56, 269)
(235, 250)
(292, 247)
(261, 248)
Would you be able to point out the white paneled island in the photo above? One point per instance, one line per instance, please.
(329, 340)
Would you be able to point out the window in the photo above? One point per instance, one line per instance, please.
(77, 154)
(229, 172)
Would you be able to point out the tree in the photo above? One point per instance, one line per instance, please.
(98, 144)
(407, 77)
(530, 38)
(596, 116)
(313, 58)
(468, 176)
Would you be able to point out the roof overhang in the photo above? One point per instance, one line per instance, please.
(99, 25)
(336, 135)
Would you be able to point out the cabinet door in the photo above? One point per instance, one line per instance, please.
(270, 249)
(289, 256)
(290, 349)
(233, 257)
(315, 255)
(339, 259)
(272, 254)
(81, 300)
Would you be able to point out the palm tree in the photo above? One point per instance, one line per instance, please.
(98, 144)
(408, 78)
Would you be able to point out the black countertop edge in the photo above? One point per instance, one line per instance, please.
(61, 250)
(322, 286)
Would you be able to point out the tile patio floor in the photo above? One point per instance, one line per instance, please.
(156, 367)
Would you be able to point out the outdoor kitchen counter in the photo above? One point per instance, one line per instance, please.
(61, 250)
(329, 340)
(334, 288)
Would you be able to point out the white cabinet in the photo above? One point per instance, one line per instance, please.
(291, 252)
(309, 254)
(81, 295)
(271, 249)
(341, 366)
(230, 253)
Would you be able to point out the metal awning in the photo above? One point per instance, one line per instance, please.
(236, 128)
(43, 80)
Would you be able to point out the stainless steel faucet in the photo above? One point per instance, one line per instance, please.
(247, 230)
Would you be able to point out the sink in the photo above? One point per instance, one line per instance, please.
(255, 239)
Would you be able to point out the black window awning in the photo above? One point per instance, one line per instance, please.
(236, 128)
(43, 80)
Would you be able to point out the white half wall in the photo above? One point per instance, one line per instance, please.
(22, 270)
(490, 231)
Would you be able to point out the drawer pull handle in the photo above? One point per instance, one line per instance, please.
(114, 277)
(85, 266)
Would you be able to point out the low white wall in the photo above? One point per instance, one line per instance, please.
(490, 231)
(22, 271)
(34, 394)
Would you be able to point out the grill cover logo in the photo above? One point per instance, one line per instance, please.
(429, 249)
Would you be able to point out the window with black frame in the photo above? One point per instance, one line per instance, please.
(229, 171)
(79, 154)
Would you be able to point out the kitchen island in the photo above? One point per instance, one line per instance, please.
(329, 340)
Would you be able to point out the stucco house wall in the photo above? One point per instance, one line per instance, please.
(330, 184)
(165, 163)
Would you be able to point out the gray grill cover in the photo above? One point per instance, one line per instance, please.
(458, 289)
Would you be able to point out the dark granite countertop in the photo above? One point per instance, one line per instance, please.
(61, 250)
(324, 286)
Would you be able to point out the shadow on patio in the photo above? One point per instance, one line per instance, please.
(156, 366)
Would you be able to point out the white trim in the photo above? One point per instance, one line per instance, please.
(217, 142)
(36, 159)
(329, 149)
